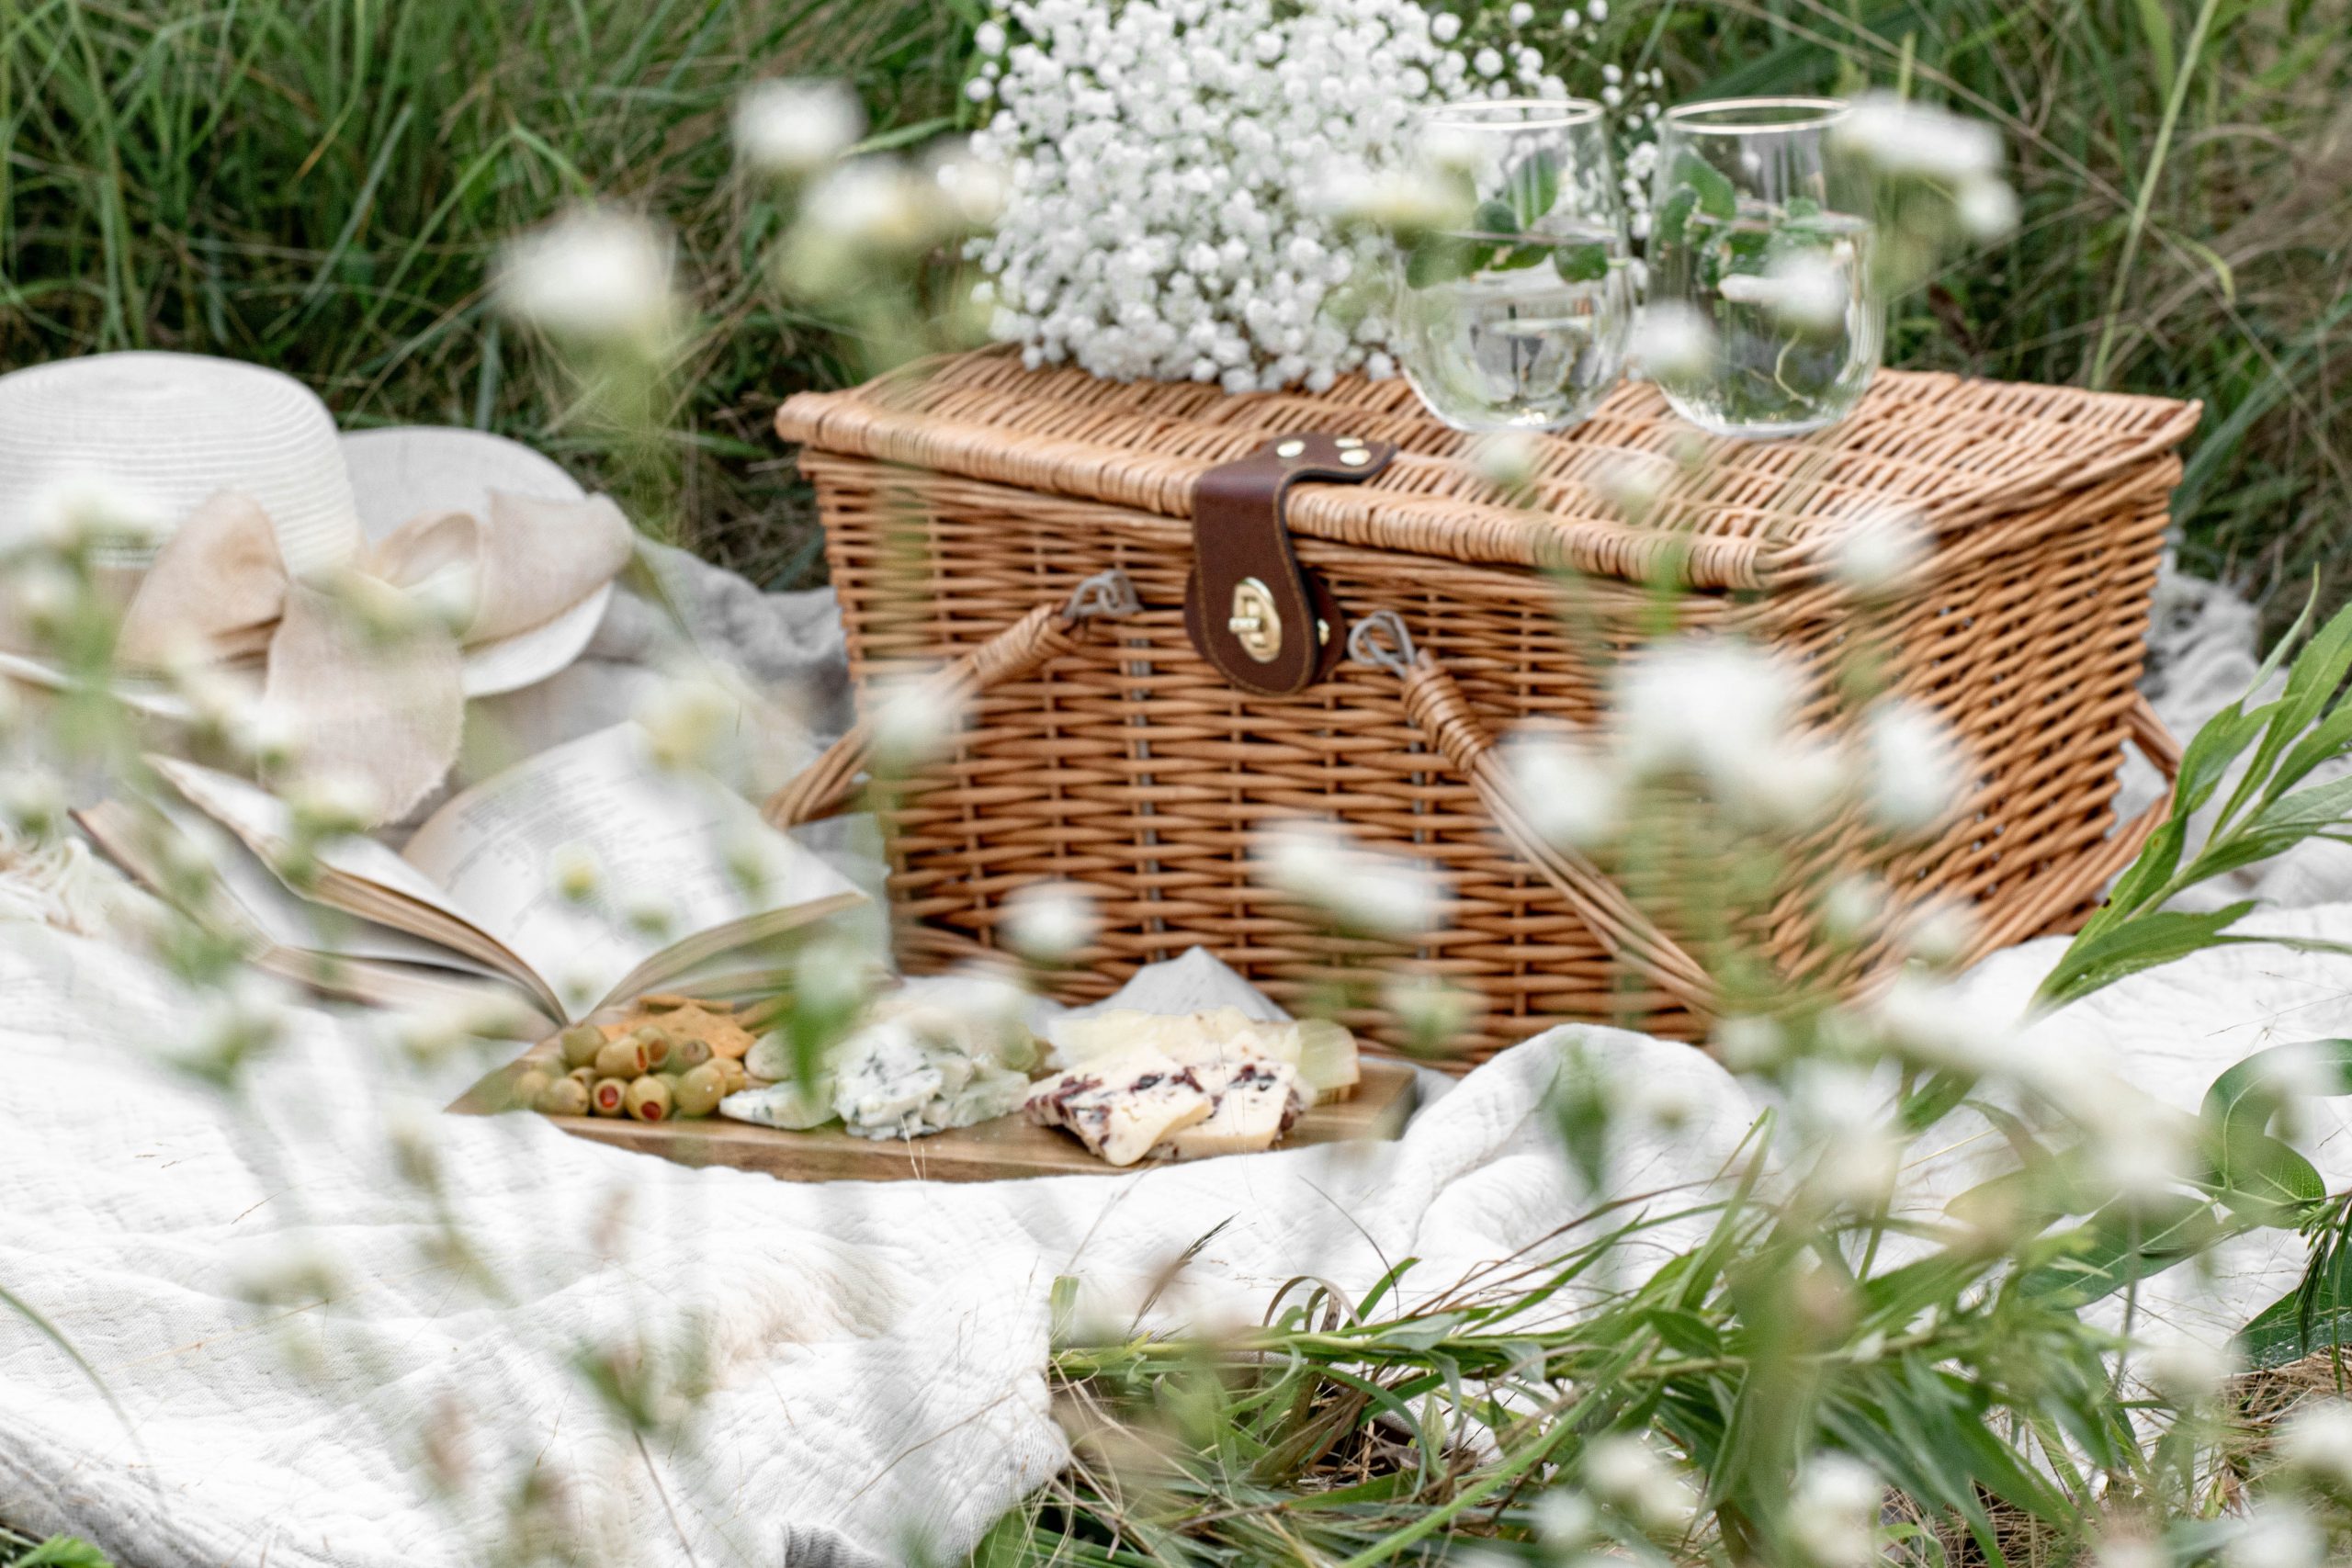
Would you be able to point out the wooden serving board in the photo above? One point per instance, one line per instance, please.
(1001, 1150)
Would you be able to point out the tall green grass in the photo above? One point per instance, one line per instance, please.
(321, 185)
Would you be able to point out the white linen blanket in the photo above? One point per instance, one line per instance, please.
(315, 1323)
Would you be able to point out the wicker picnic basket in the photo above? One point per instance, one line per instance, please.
(1029, 542)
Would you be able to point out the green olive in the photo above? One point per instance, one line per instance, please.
(562, 1096)
(609, 1098)
(700, 1090)
(529, 1084)
(622, 1059)
(649, 1100)
(580, 1043)
(657, 1043)
(689, 1054)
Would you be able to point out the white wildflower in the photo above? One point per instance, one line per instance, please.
(1946, 1026)
(1398, 201)
(1571, 799)
(2140, 1148)
(1987, 209)
(2185, 1369)
(974, 187)
(1625, 1473)
(2317, 1441)
(596, 276)
(1598, 10)
(685, 722)
(1521, 14)
(1633, 481)
(575, 873)
(1841, 1113)
(32, 800)
(1565, 1519)
(1834, 1512)
(989, 38)
(1794, 784)
(1714, 706)
(1855, 907)
(434, 1033)
(1671, 339)
(1430, 1008)
(329, 802)
(1360, 889)
(2130, 1552)
(2275, 1534)
(1050, 922)
(2294, 1077)
(1445, 26)
(1506, 458)
(1806, 291)
(1878, 552)
(1916, 770)
(96, 513)
(874, 204)
(911, 722)
(1941, 931)
(796, 127)
(1746, 1043)
(1900, 138)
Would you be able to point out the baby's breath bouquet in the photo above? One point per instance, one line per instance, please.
(1174, 169)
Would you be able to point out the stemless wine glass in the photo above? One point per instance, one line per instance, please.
(1517, 319)
(1760, 243)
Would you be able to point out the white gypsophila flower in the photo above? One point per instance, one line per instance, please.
(974, 187)
(1670, 338)
(2317, 1441)
(2183, 1368)
(1946, 1026)
(1169, 212)
(1916, 770)
(1834, 1511)
(594, 275)
(1360, 889)
(1900, 138)
(1050, 922)
(1715, 707)
(1879, 550)
(2276, 1533)
(798, 126)
(1572, 800)
(1627, 1474)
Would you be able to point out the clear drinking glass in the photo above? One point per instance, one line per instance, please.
(1759, 267)
(1517, 320)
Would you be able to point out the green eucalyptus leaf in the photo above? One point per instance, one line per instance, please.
(1712, 188)
(1441, 258)
(1495, 218)
(1518, 258)
(1532, 186)
(1580, 263)
(1669, 223)
(2121, 1244)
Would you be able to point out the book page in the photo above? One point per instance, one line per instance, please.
(254, 898)
(679, 862)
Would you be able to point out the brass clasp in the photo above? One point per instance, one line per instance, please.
(1255, 623)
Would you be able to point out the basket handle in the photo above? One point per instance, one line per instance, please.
(1046, 632)
(1435, 702)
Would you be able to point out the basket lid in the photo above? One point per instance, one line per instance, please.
(1722, 513)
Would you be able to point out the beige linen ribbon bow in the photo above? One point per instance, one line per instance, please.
(366, 667)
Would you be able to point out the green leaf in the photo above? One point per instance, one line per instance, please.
(1673, 217)
(1712, 188)
(1495, 218)
(1518, 258)
(2281, 1333)
(2119, 1245)
(2140, 942)
(1533, 188)
(1580, 263)
(1441, 258)
(63, 1551)
(2278, 828)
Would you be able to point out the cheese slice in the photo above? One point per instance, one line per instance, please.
(1323, 1052)
(1257, 1102)
(1122, 1103)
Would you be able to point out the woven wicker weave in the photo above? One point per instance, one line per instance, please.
(967, 499)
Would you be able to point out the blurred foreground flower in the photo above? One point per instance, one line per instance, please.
(796, 127)
(596, 277)
(1359, 889)
(1050, 922)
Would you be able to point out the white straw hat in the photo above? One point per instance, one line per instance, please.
(168, 432)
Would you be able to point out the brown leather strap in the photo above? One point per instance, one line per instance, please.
(1268, 624)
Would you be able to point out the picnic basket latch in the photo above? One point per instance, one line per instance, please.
(1268, 624)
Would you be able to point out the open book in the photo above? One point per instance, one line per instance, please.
(281, 933)
(685, 874)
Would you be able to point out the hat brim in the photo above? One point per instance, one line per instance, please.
(397, 473)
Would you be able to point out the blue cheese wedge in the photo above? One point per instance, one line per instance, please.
(1122, 1103)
